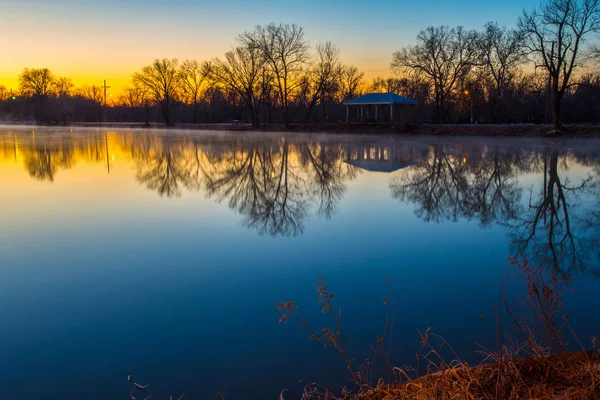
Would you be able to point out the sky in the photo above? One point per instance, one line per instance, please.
(91, 40)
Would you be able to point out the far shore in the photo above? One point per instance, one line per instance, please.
(495, 130)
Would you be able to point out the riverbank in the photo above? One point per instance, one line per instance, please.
(499, 130)
(564, 376)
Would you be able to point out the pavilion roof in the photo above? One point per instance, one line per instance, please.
(378, 165)
(379, 98)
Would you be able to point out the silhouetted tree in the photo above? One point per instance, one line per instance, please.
(350, 83)
(132, 97)
(4, 93)
(39, 84)
(160, 80)
(192, 75)
(64, 86)
(443, 56)
(323, 77)
(285, 51)
(556, 33)
(242, 71)
(92, 92)
(502, 52)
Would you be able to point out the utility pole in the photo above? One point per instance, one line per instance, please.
(106, 145)
(105, 87)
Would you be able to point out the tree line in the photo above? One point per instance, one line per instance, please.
(541, 71)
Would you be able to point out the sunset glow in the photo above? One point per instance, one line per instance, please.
(92, 41)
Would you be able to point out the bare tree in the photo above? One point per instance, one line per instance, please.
(502, 51)
(161, 81)
(4, 93)
(443, 56)
(323, 77)
(285, 51)
(131, 97)
(64, 86)
(39, 85)
(350, 82)
(556, 33)
(410, 86)
(92, 92)
(64, 89)
(242, 71)
(192, 75)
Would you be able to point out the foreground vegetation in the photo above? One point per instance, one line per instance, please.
(273, 76)
(534, 365)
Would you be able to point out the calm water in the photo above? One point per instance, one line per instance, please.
(163, 254)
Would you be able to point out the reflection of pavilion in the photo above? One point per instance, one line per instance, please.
(380, 158)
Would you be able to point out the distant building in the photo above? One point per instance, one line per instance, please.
(382, 158)
(381, 108)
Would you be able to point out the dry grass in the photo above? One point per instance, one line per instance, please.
(535, 366)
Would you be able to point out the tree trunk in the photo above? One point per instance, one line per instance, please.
(309, 110)
(195, 115)
(438, 118)
(166, 113)
(323, 110)
(252, 115)
(147, 109)
(284, 112)
(556, 103)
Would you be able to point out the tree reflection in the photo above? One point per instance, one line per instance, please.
(262, 186)
(438, 186)
(495, 189)
(43, 156)
(165, 167)
(43, 163)
(274, 184)
(555, 226)
(327, 173)
(448, 185)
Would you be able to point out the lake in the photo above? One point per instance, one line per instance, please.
(162, 254)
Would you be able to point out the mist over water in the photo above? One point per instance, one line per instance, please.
(162, 254)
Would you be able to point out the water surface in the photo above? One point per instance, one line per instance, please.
(162, 254)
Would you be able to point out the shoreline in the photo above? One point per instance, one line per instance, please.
(442, 130)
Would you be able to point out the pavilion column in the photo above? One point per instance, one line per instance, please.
(392, 114)
(362, 114)
(347, 114)
(376, 113)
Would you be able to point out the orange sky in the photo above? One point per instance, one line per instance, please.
(90, 41)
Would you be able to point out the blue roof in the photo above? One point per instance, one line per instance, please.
(380, 98)
(378, 166)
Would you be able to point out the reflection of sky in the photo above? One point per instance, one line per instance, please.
(92, 40)
(102, 278)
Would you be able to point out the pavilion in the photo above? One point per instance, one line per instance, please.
(384, 108)
(380, 157)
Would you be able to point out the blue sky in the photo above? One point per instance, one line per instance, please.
(88, 38)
